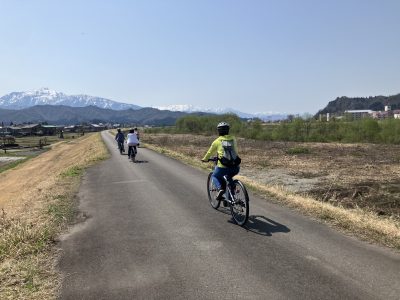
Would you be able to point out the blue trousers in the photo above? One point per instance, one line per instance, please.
(219, 173)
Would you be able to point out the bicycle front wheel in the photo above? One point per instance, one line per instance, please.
(240, 206)
(212, 192)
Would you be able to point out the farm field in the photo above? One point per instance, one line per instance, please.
(351, 176)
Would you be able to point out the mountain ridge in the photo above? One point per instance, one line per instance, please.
(67, 115)
(45, 96)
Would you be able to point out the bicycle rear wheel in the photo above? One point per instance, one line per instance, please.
(240, 207)
(133, 154)
(212, 192)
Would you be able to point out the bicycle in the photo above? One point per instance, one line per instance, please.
(132, 152)
(121, 147)
(236, 196)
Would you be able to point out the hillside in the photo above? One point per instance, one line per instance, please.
(59, 114)
(340, 104)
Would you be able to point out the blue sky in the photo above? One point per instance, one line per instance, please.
(254, 55)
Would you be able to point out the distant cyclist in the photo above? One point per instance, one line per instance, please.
(120, 138)
(132, 141)
(137, 134)
(225, 146)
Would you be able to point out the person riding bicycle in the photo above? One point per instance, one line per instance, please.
(225, 146)
(120, 138)
(132, 141)
(137, 134)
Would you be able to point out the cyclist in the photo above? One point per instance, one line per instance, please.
(120, 138)
(132, 141)
(225, 146)
(137, 134)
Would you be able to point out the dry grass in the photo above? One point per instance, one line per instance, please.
(37, 203)
(360, 222)
(310, 179)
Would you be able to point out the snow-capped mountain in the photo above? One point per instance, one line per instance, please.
(45, 96)
(265, 116)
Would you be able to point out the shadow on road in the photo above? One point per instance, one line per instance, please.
(264, 226)
(141, 161)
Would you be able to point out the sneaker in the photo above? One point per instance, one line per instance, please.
(220, 194)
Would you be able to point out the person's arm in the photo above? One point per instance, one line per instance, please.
(211, 151)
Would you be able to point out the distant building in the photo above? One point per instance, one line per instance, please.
(29, 129)
(47, 130)
(96, 127)
(359, 114)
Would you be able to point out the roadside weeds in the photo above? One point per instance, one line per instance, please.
(361, 223)
(32, 220)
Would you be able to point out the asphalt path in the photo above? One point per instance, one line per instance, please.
(150, 233)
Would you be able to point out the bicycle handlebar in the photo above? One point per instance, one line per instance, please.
(213, 159)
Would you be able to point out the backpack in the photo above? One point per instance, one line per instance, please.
(230, 157)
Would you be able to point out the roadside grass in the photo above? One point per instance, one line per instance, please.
(359, 222)
(73, 171)
(28, 237)
(298, 150)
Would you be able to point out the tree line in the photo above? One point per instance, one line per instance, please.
(366, 130)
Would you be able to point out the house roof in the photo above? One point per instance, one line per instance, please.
(29, 126)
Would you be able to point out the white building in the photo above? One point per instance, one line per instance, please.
(358, 114)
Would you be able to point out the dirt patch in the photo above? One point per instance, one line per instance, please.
(350, 175)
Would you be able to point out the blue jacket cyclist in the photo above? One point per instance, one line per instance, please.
(120, 137)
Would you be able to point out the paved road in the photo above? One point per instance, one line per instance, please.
(151, 233)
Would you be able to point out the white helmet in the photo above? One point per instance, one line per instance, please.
(223, 128)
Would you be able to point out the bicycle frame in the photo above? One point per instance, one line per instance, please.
(229, 196)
